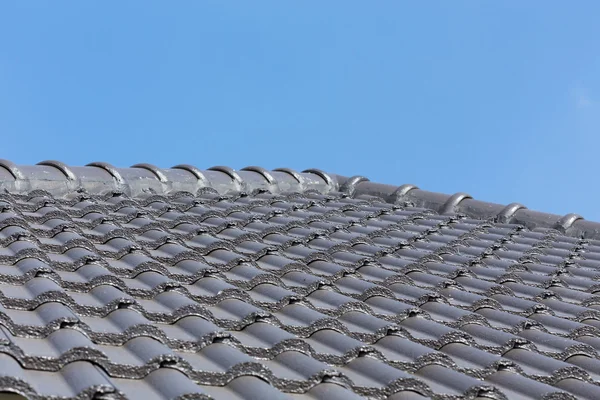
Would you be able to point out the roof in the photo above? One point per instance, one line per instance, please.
(185, 283)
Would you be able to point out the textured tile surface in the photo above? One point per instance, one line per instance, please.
(301, 295)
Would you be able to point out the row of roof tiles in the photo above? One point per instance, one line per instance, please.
(145, 179)
(313, 295)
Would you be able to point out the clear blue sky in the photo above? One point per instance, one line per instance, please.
(500, 99)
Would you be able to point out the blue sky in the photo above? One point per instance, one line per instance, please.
(497, 99)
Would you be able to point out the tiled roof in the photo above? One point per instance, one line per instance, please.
(184, 283)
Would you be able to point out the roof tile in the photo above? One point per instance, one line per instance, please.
(179, 283)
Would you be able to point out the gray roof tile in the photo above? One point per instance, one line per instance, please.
(180, 283)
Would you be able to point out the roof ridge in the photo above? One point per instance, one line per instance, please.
(462, 203)
(145, 179)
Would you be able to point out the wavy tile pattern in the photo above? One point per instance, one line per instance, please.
(302, 295)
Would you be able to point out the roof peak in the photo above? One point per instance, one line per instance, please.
(144, 179)
(141, 180)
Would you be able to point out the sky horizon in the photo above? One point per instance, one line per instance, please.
(497, 99)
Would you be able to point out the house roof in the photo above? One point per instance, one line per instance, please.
(185, 283)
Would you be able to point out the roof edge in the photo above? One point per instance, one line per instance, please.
(143, 179)
(571, 224)
(139, 180)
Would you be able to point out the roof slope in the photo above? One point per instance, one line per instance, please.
(179, 283)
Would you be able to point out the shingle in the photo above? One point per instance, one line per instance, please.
(182, 286)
